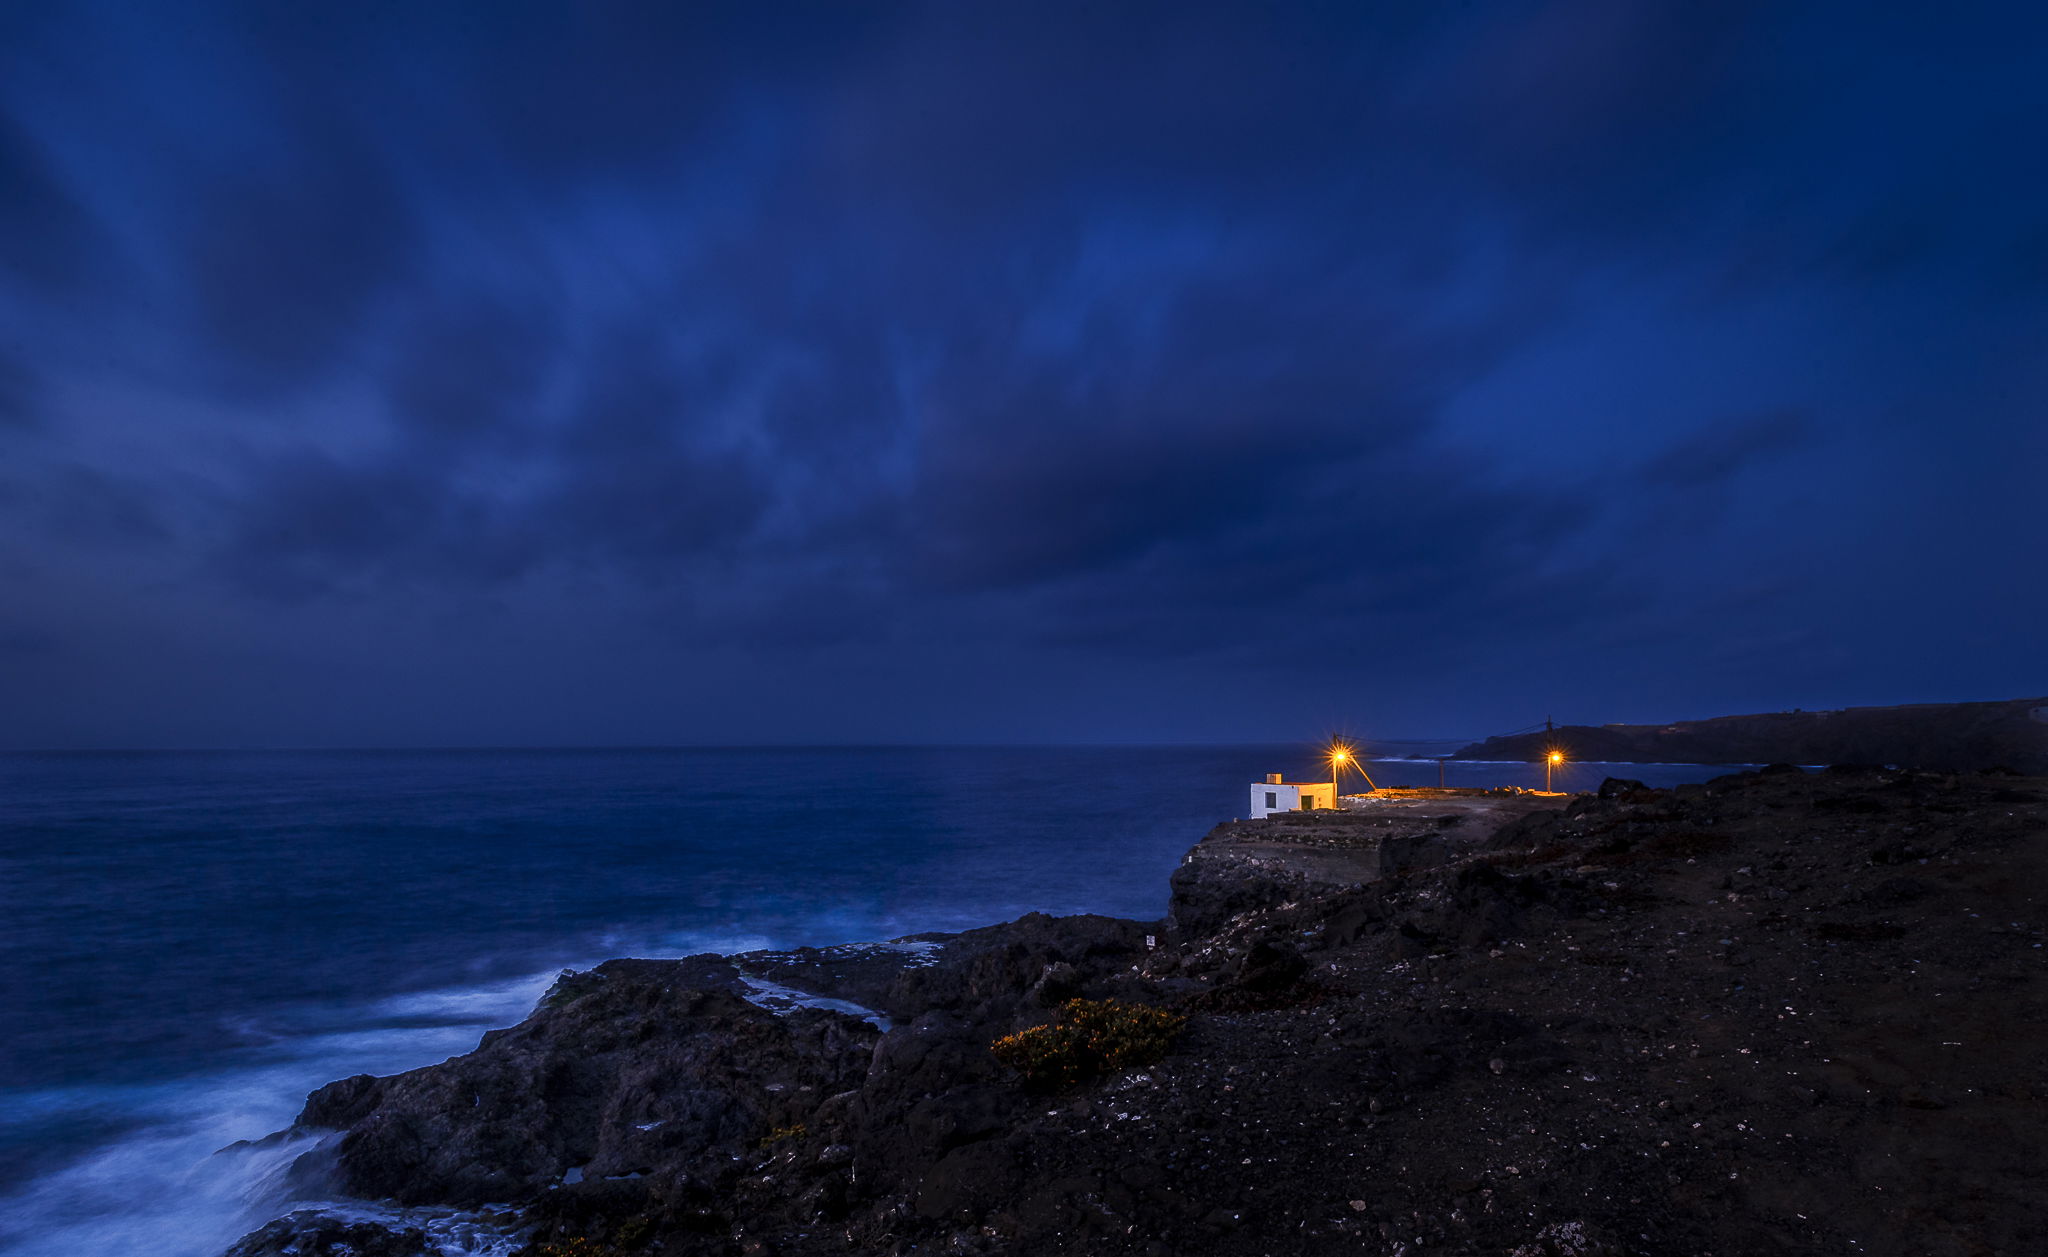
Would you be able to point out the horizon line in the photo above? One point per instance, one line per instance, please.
(673, 746)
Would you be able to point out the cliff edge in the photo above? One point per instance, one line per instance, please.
(1779, 1012)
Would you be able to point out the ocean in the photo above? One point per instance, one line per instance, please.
(190, 942)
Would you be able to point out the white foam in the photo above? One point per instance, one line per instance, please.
(171, 1187)
(919, 953)
(777, 998)
(493, 1231)
(469, 1004)
(160, 1191)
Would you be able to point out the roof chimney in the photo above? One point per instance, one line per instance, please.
(1272, 779)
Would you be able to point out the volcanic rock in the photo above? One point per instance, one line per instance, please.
(1780, 1012)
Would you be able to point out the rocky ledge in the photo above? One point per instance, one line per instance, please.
(1780, 1012)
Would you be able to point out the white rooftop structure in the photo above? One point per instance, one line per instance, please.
(1274, 795)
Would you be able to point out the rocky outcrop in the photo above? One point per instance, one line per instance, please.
(625, 1067)
(1241, 867)
(1943, 737)
(1779, 1012)
(986, 973)
(644, 1072)
(312, 1234)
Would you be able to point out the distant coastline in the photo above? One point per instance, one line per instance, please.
(1946, 737)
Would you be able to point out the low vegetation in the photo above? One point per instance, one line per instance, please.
(1090, 1039)
(780, 1133)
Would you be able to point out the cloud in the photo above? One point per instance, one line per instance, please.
(475, 373)
(19, 392)
(309, 525)
(1128, 333)
(63, 505)
(47, 237)
(291, 255)
(1725, 450)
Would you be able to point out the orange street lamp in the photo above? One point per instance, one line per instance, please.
(1340, 755)
(1550, 763)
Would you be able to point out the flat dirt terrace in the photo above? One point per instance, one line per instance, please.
(1376, 835)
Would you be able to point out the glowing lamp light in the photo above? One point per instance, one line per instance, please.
(1340, 755)
(1550, 765)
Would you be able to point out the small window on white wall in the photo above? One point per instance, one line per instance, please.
(1272, 799)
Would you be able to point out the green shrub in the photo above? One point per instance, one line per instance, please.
(632, 1236)
(635, 1231)
(781, 1133)
(1091, 1038)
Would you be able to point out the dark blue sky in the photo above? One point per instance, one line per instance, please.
(424, 373)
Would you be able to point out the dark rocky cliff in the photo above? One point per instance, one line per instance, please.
(1781, 1012)
(1943, 737)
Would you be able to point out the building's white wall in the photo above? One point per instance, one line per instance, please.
(1289, 796)
(1285, 798)
(1318, 794)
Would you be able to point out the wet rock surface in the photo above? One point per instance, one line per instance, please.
(313, 1234)
(1779, 1012)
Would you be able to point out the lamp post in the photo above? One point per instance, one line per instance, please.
(1550, 763)
(1337, 757)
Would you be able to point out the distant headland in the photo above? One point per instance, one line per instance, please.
(1949, 737)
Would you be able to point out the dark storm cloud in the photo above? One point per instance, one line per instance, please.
(1725, 449)
(1050, 339)
(18, 394)
(476, 372)
(45, 234)
(1573, 110)
(474, 490)
(1182, 432)
(669, 73)
(987, 110)
(1410, 562)
(290, 255)
(93, 507)
(311, 525)
(642, 477)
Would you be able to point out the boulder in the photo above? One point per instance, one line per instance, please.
(310, 1233)
(629, 1071)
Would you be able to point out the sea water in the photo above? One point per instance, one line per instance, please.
(189, 943)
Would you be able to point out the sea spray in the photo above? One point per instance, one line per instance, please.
(184, 1179)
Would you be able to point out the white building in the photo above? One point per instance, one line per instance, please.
(1274, 795)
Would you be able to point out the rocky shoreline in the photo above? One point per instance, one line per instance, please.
(1778, 1012)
